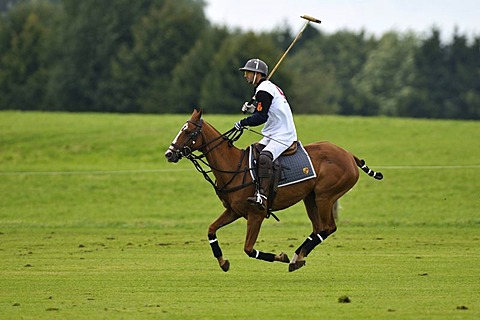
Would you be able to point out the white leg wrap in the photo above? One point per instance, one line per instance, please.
(294, 258)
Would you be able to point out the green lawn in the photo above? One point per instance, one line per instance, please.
(94, 223)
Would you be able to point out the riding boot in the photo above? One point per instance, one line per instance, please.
(265, 174)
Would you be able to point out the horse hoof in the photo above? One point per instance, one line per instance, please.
(296, 265)
(284, 258)
(225, 266)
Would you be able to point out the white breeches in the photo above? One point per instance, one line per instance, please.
(275, 147)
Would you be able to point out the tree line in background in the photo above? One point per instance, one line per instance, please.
(164, 56)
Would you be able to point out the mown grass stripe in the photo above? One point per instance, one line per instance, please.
(96, 172)
(99, 172)
(428, 167)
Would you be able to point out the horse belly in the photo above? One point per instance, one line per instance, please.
(289, 195)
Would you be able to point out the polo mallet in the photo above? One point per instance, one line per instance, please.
(309, 19)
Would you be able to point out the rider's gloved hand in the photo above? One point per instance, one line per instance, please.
(238, 126)
(248, 107)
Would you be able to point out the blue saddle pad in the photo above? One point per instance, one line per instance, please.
(295, 168)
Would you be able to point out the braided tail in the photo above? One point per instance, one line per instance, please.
(361, 164)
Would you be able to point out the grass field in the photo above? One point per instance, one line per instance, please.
(94, 223)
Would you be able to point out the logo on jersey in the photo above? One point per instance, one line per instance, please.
(259, 107)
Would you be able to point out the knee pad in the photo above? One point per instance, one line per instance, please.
(265, 158)
(265, 164)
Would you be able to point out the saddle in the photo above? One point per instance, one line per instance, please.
(257, 148)
(292, 166)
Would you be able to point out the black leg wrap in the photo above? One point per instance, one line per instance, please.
(270, 257)
(315, 240)
(304, 243)
(217, 252)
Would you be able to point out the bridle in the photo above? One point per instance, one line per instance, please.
(187, 151)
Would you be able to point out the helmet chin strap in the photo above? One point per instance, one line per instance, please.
(255, 78)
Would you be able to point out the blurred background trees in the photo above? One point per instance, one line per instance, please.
(164, 56)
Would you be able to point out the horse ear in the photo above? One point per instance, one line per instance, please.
(197, 113)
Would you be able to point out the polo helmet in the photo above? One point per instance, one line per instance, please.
(255, 65)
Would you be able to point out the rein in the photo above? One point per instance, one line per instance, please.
(231, 136)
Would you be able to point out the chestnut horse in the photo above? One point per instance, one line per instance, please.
(336, 170)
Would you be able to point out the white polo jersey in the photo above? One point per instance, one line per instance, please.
(279, 125)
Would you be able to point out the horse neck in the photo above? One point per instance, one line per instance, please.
(220, 154)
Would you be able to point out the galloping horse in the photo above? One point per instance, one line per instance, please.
(336, 173)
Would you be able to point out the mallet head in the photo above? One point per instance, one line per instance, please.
(311, 19)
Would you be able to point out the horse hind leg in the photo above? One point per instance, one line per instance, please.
(320, 210)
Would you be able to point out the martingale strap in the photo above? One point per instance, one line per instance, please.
(225, 189)
(231, 136)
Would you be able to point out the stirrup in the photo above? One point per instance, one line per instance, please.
(259, 200)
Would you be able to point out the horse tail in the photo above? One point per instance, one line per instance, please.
(361, 164)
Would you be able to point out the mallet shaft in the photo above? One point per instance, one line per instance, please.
(309, 19)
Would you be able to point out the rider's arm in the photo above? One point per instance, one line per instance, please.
(260, 115)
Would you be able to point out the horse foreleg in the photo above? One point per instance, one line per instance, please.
(254, 222)
(225, 218)
(253, 229)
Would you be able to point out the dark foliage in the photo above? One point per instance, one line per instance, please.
(164, 56)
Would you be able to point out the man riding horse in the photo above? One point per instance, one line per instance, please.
(336, 171)
(270, 107)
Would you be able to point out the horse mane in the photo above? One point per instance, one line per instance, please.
(231, 135)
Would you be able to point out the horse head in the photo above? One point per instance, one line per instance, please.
(188, 138)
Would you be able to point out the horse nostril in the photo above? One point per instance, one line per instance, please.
(171, 156)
